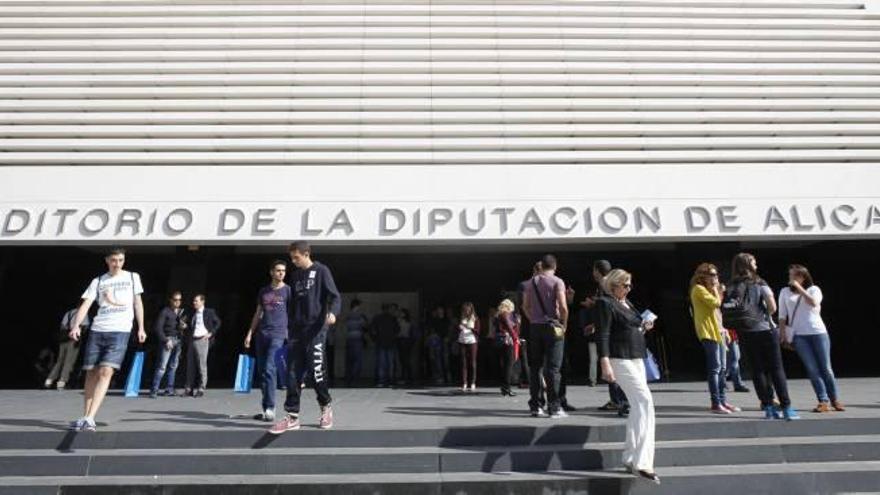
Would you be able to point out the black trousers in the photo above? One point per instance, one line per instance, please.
(508, 359)
(545, 354)
(765, 357)
(307, 357)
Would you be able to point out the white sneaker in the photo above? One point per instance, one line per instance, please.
(539, 413)
(267, 415)
(559, 414)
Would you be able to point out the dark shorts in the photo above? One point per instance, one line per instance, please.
(105, 349)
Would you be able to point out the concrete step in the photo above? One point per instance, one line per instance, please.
(234, 433)
(321, 460)
(813, 478)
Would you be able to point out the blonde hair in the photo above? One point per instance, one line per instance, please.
(506, 305)
(616, 278)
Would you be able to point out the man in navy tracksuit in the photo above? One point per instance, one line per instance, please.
(316, 302)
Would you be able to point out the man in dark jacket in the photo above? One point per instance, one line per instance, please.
(170, 323)
(316, 302)
(205, 324)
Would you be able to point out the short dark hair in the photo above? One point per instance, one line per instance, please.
(276, 263)
(174, 293)
(301, 247)
(602, 266)
(355, 303)
(200, 297)
(113, 251)
(548, 262)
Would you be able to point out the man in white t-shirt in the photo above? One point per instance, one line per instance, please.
(118, 294)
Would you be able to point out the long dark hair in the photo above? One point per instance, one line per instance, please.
(741, 268)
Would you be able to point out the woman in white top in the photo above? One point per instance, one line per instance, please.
(468, 333)
(800, 305)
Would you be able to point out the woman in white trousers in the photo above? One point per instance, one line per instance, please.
(621, 341)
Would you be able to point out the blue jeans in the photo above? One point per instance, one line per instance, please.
(733, 371)
(815, 353)
(715, 370)
(167, 360)
(267, 371)
(385, 358)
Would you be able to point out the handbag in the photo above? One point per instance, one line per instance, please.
(558, 328)
(133, 382)
(786, 341)
(244, 374)
(652, 369)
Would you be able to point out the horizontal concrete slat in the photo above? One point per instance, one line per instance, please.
(440, 67)
(485, 91)
(530, 117)
(505, 79)
(496, 55)
(434, 130)
(583, 9)
(505, 144)
(628, 32)
(432, 157)
(437, 104)
(371, 19)
(456, 43)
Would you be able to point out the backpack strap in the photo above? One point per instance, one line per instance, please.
(540, 299)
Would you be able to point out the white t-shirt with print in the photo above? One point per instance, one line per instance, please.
(807, 320)
(115, 298)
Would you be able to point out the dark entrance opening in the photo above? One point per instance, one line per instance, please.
(38, 284)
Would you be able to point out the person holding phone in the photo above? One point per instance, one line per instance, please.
(622, 350)
(801, 324)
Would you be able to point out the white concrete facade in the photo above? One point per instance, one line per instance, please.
(190, 121)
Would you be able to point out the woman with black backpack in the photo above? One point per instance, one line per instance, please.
(748, 308)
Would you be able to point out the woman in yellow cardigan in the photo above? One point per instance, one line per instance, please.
(705, 294)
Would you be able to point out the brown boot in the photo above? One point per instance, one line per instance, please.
(823, 407)
(837, 405)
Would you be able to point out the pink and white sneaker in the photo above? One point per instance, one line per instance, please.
(289, 423)
(326, 420)
(731, 408)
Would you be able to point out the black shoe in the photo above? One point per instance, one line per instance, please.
(742, 388)
(568, 407)
(199, 393)
(153, 394)
(609, 406)
(623, 412)
(648, 476)
(591, 383)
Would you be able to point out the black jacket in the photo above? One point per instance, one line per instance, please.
(619, 330)
(212, 322)
(167, 324)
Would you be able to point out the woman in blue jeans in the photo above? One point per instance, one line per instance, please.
(800, 306)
